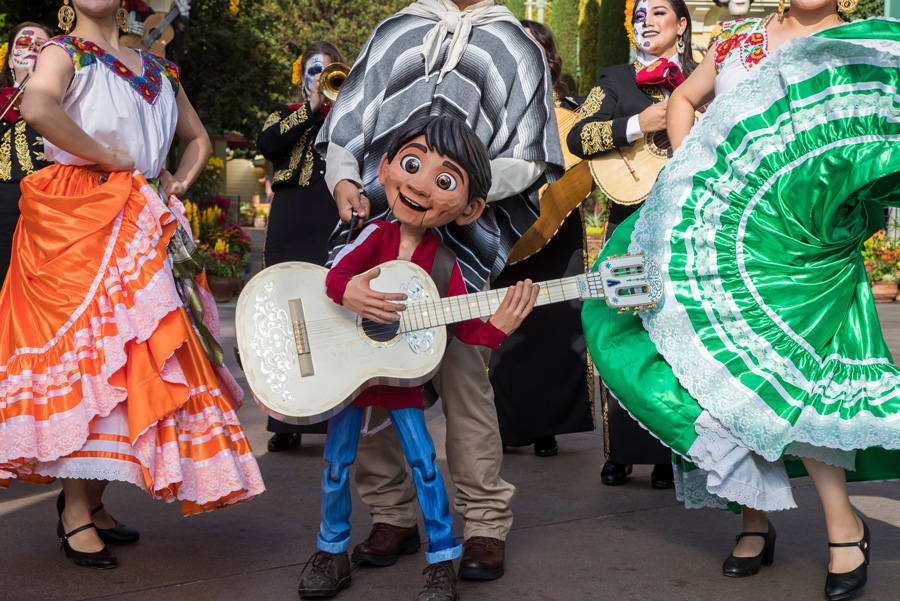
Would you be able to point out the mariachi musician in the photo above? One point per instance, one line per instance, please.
(21, 148)
(303, 213)
(627, 102)
(540, 377)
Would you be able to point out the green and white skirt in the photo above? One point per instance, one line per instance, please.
(767, 346)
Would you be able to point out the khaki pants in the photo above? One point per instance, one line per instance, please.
(474, 452)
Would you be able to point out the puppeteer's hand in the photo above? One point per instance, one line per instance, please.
(169, 186)
(365, 302)
(117, 161)
(348, 199)
(653, 118)
(515, 307)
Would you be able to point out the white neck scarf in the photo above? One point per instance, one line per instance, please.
(459, 23)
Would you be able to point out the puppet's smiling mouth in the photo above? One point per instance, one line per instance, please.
(411, 204)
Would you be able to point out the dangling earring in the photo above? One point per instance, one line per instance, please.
(66, 17)
(679, 46)
(847, 6)
(780, 11)
(122, 18)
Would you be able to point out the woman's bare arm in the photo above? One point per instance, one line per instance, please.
(697, 90)
(42, 110)
(197, 148)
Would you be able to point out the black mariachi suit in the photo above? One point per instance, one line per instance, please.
(303, 212)
(601, 129)
(21, 154)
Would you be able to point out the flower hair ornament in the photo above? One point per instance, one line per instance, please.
(297, 72)
(4, 51)
(629, 27)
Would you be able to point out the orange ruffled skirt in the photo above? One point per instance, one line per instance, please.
(101, 372)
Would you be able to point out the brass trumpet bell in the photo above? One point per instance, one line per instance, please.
(333, 77)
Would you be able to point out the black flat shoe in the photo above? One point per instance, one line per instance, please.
(283, 441)
(614, 474)
(741, 567)
(120, 534)
(101, 560)
(843, 586)
(546, 446)
(662, 477)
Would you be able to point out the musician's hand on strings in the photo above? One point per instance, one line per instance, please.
(316, 98)
(515, 307)
(169, 186)
(365, 302)
(348, 199)
(653, 118)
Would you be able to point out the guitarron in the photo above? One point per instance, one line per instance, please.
(306, 358)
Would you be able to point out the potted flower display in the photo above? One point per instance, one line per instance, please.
(594, 212)
(246, 214)
(881, 255)
(224, 246)
(259, 218)
(224, 270)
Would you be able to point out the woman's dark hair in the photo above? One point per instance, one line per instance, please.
(7, 80)
(326, 48)
(688, 64)
(543, 36)
(452, 138)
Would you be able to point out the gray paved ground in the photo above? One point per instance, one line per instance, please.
(573, 539)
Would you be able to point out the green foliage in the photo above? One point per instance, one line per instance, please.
(589, 31)
(613, 46)
(866, 9)
(517, 7)
(565, 29)
(19, 11)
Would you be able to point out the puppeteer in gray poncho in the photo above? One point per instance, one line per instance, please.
(478, 65)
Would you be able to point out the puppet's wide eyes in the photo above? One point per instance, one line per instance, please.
(410, 163)
(445, 181)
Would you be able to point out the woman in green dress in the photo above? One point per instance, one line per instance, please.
(767, 348)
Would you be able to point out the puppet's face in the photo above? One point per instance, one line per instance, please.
(425, 188)
(25, 48)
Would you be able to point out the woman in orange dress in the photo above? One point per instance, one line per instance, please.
(105, 374)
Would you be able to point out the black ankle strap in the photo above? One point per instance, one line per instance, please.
(97, 508)
(862, 544)
(743, 534)
(79, 529)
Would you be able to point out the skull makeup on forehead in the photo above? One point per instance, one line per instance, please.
(640, 18)
(314, 66)
(25, 47)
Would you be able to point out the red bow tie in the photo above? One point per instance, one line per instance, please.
(662, 72)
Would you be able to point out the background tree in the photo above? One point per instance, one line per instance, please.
(613, 47)
(589, 33)
(564, 26)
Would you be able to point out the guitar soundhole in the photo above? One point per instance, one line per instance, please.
(380, 332)
(659, 145)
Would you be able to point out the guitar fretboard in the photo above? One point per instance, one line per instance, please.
(422, 315)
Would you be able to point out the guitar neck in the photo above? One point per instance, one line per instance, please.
(427, 314)
(156, 32)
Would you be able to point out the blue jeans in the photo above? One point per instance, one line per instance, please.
(340, 452)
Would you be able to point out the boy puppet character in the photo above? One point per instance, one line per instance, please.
(436, 172)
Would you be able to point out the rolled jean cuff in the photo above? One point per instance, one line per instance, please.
(333, 548)
(443, 555)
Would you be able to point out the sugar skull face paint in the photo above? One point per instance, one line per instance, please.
(26, 46)
(639, 23)
(314, 66)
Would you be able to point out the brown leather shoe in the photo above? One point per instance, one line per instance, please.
(482, 558)
(385, 544)
(327, 575)
(441, 583)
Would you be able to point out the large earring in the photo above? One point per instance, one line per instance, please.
(66, 17)
(679, 46)
(847, 6)
(122, 18)
(780, 11)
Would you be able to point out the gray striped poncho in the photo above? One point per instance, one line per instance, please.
(501, 88)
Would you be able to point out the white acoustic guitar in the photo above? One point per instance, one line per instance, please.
(306, 358)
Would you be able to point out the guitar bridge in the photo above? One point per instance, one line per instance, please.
(301, 337)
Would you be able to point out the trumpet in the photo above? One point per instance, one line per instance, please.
(331, 80)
